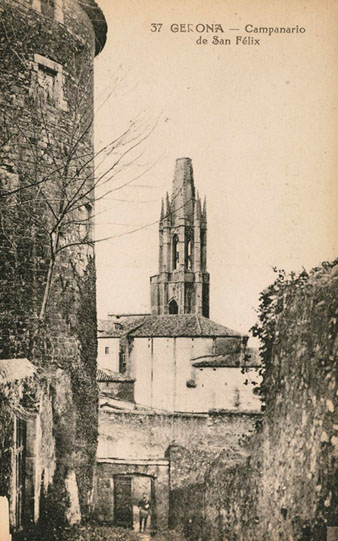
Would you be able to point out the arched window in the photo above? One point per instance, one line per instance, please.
(189, 256)
(202, 256)
(176, 255)
(173, 307)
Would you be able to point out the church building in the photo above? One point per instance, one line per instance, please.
(177, 357)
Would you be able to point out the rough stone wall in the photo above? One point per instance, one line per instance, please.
(46, 154)
(287, 488)
(299, 496)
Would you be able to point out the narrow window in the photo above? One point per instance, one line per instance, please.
(189, 255)
(176, 254)
(106, 350)
(203, 239)
(47, 8)
(47, 82)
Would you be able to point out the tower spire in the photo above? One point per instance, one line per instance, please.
(167, 207)
(204, 213)
(182, 285)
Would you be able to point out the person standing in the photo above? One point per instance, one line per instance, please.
(144, 511)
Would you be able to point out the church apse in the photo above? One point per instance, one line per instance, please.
(182, 283)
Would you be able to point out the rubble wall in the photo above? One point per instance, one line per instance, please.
(287, 487)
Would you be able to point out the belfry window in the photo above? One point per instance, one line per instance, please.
(189, 255)
(176, 254)
(173, 307)
(202, 256)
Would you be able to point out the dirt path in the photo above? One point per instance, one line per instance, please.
(144, 536)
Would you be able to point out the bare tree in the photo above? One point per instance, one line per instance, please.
(51, 181)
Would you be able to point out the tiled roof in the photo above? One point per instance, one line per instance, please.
(110, 375)
(107, 328)
(178, 325)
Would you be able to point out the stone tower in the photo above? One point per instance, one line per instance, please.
(47, 264)
(182, 283)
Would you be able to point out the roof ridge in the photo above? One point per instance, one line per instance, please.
(134, 328)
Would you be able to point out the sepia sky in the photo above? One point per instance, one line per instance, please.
(259, 122)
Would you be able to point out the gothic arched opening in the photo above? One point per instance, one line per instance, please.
(175, 255)
(188, 262)
(173, 307)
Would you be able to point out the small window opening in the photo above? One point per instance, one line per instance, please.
(176, 255)
(189, 255)
(106, 350)
(47, 8)
(47, 83)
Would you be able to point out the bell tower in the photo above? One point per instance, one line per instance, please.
(182, 283)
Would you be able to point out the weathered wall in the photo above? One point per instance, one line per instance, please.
(287, 489)
(135, 435)
(190, 442)
(163, 366)
(32, 404)
(48, 306)
(108, 358)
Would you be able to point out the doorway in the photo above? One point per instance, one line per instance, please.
(128, 491)
(123, 509)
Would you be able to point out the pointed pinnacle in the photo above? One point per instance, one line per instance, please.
(167, 215)
(204, 215)
(162, 210)
(197, 208)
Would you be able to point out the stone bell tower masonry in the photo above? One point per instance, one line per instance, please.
(182, 283)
